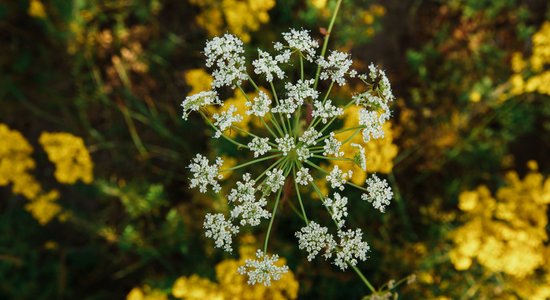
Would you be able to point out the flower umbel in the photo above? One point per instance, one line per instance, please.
(294, 135)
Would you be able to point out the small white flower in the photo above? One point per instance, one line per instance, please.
(371, 121)
(205, 174)
(310, 136)
(335, 67)
(338, 178)
(259, 105)
(225, 54)
(275, 179)
(359, 156)
(303, 153)
(259, 146)
(196, 101)
(332, 146)
(315, 238)
(379, 193)
(286, 144)
(226, 119)
(263, 270)
(382, 86)
(247, 207)
(267, 65)
(338, 209)
(300, 40)
(303, 177)
(296, 95)
(220, 230)
(326, 111)
(351, 248)
(374, 103)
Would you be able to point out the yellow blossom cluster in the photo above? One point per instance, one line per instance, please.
(531, 74)
(239, 17)
(36, 9)
(379, 153)
(146, 293)
(70, 156)
(507, 233)
(233, 286)
(16, 164)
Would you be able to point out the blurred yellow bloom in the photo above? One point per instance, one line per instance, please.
(146, 293)
(538, 78)
(16, 162)
(36, 9)
(475, 96)
(196, 288)
(44, 208)
(319, 4)
(232, 285)
(506, 233)
(70, 156)
(216, 16)
(198, 79)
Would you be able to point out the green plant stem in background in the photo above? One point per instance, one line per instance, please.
(325, 44)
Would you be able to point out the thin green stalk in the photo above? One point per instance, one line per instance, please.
(268, 128)
(333, 158)
(253, 83)
(274, 210)
(283, 125)
(300, 196)
(251, 134)
(301, 66)
(325, 44)
(365, 280)
(223, 135)
(251, 162)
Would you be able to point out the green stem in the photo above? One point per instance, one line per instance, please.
(334, 158)
(325, 44)
(365, 280)
(299, 196)
(275, 209)
(251, 162)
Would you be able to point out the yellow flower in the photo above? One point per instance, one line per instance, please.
(44, 208)
(198, 79)
(36, 9)
(217, 16)
(232, 285)
(70, 156)
(146, 293)
(195, 288)
(505, 233)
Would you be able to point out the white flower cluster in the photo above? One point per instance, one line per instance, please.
(338, 178)
(314, 238)
(220, 230)
(263, 269)
(338, 209)
(350, 249)
(259, 106)
(297, 130)
(301, 41)
(332, 146)
(267, 65)
(247, 207)
(379, 193)
(259, 146)
(226, 55)
(195, 102)
(286, 144)
(225, 119)
(205, 174)
(326, 110)
(336, 66)
(303, 177)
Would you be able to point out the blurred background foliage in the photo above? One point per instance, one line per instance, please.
(94, 199)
